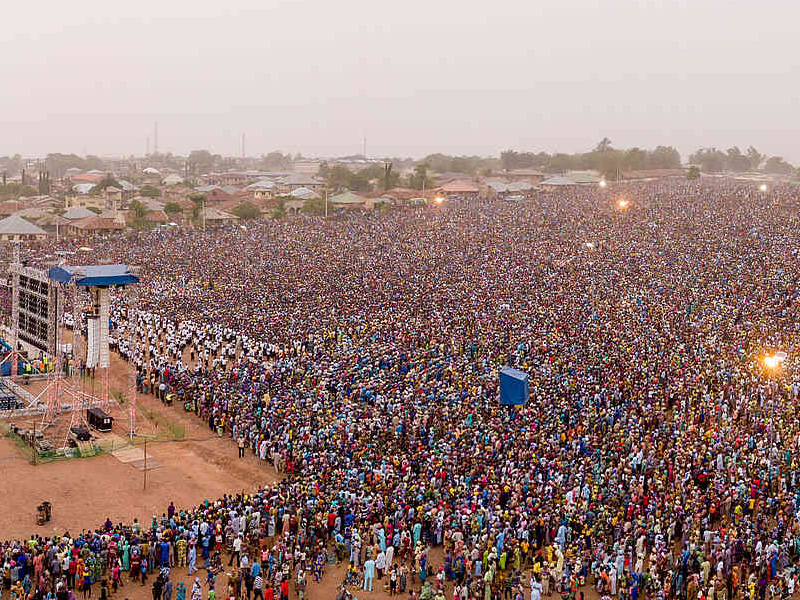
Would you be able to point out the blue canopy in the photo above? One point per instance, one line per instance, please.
(94, 275)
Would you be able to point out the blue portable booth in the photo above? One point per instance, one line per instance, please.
(513, 387)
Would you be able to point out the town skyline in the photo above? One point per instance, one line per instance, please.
(460, 78)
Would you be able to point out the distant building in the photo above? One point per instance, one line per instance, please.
(9, 208)
(652, 174)
(351, 201)
(94, 225)
(86, 201)
(15, 228)
(500, 189)
(215, 218)
(78, 212)
(172, 179)
(289, 183)
(83, 188)
(559, 181)
(90, 177)
(306, 167)
(402, 194)
(262, 189)
(460, 190)
(303, 193)
(213, 193)
(229, 178)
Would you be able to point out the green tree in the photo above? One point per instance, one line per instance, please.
(419, 178)
(280, 211)
(736, 161)
(710, 160)
(388, 175)
(15, 190)
(755, 157)
(199, 200)
(314, 206)
(149, 191)
(635, 159)
(246, 211)
(693, 173)
(603, 145)
(664, 157)
(139, 212)
(172, 209)
(275, 161)
(776, 164)
(202, 161)
(108, 180)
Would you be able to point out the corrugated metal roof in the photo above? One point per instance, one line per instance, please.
(16, 225)
(78, 212)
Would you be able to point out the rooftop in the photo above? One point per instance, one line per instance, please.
(16, 225)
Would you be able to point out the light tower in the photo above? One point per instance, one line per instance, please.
(39, 300)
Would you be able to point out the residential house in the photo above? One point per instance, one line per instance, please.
(286, 185)
(213, 193)
(460, 190)
(215, 218)
(53, 224)
(402, 194)
(93, 225)
(350, 201)
(78, 212)
(172, 179)
(263, 188)
(558, 181)
(83, 188)
(303, 193)
(90, 177)
(16, 229)
(86, 201)
(9, 208)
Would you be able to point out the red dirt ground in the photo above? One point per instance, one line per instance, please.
(85, 491)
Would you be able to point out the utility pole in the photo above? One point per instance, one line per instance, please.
(145, 465)
(204, 214)
(326, 202)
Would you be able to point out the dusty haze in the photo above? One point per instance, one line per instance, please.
(315, 76)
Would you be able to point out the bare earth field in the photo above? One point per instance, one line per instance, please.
(85, 491)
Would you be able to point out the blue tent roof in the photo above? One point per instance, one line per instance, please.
(94, 275)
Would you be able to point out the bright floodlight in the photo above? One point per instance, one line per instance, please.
(763, 187)
(623, 204)
(603, 183)
(774, 361)
(438, 199)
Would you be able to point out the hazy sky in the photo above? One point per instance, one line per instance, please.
(414, 76)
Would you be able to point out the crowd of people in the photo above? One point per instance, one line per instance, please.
(657, 455)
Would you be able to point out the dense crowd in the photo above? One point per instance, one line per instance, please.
(657, 455)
